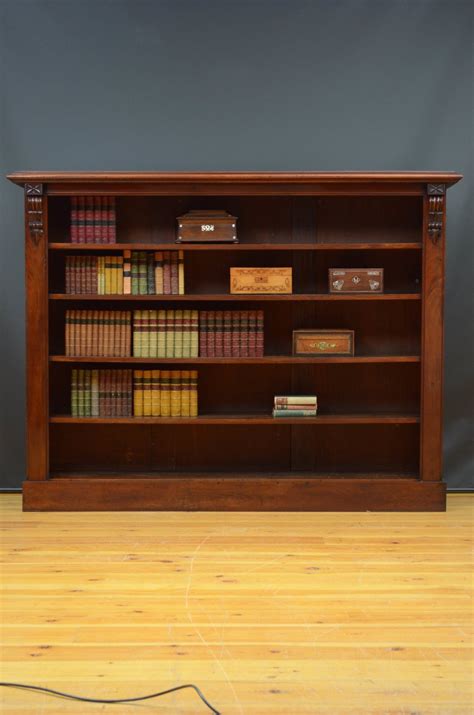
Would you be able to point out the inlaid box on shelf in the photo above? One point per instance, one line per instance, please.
(375, 442)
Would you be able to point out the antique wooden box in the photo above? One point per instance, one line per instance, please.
(207, 227)
(356, 280)
(261, 280)
(315, 343)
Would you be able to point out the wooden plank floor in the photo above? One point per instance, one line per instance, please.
(268, 613)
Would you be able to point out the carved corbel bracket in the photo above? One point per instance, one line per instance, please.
(436, 197)
(34, 210)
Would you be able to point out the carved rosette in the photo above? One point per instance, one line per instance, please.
(34, 210)
(436, 197)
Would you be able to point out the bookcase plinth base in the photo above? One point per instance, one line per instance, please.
(233, 493)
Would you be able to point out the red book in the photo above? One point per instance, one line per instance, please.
(211, 333)
(219, 328)
(89, 219)
(94, 287)
(111, 233)
(227, 334)
(235, 333)
(74, 236)
(97, 219)
(203, 333)
(252, 333)
(244, 333)
(104, 220)
(81, 219)
(260, 334)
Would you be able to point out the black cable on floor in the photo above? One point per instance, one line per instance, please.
(50, 691)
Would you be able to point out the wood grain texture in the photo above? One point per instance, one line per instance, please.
(270, 614)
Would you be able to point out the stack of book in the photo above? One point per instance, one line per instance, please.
(93, 219)
(133, 273)
(295, 406)
(101, 393)
(165, 333)
(101, 333)
(165, 393)
(231, 333)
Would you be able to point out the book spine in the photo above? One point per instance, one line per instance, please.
(170, 330)
(252, 342)
(294, 413)
(80, 393)
(175, 393)
(155, 393)
(282, 400)
(235, 333)
(97, 227)
(89, 219)
(244, 333)
(104, 213)
(111, 228)
(153, 333)
(81, 219)
(95, 394)
(185, 393)
(94, 274)
(181, 288)
(87, 393)
(147, 393)
(174, 273)
(161, 349)
(135, 276)
(186, 333)
(127, 272)
(128, 333)
(138, 393)
(219, 333)
(193, 408)
(165, 393)
(166, 273)
(73, 227)
(202, 333)
(69, 260)
(142, 274)
(211, 334)
(129, 393)
(113, 275)
(260, 334)
(194, 334)
(178, 334)
(159, 272)
(95, 332)
(150, 266)
(227, 334)
(146, 329)
(119, 266)
(74, 397)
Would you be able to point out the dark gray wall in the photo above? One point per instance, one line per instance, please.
(216, 84)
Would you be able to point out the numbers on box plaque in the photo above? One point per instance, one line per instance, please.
(207, 227)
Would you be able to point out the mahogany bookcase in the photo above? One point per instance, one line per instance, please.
(376, 443)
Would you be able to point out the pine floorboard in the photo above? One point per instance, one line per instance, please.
(268, 613)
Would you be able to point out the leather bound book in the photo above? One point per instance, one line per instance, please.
(119, 265)
(175, 393)
(166, 273)
(170, 333)
(69, 260)
(88, 394)
(95, 332)
(194, 393)
(80, 393)
(153, 333)
(194, 334)
(227, 334)
(89, 219)
(165, 393)
(94, 279)
(74, 397)
(181, 287)
(203, 333)
(150, 273)
(127, 272)
(244, 333)
(178, 334)
(211, 333)
(73, 229)
(219, 334)
(159, 272)
(138, 393)
(146, 333)
(95, 394)
(161, 342)
(114, 393)
(81, 219)
(111, 233)
(129, 393)
(147, 393)
(67, 333)
(114, 276)
(142, 273)
(104, 220)
(155, 393)
(185, 393)
(235, 333)
(252, 333)
(260, 334)
(134, 270)
(174, 273)
(97, 227)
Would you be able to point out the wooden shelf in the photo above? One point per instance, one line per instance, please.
(267, 360)
(220, 297)
(262, 419)
(336, 246)
(232, 475)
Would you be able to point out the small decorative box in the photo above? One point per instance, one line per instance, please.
(261, 280)
(207, 227)
(317, 343)
(356, 280)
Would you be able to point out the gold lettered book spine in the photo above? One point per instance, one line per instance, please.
(261, 280)
(145, 333)
(170, 330)
(127, 272)
(161, 346)
(159, 272)
(137, 347)
(181, 272)
(74, 396)
(155, 393)
(185, 393)
(80, 393)
(186, 333)
(153, 333)
(194, 393)
(194, 352)
(119, 261)
(95, 394)
(138, 393)
(178, 334)
(147, 388)
(175, 390)
(165, 393)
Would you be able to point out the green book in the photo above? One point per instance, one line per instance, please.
(142, 274)
(134, 261)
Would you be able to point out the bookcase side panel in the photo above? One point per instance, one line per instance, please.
(432, 339)
(36, 280)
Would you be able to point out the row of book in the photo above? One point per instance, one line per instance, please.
(139, 393)
(98, 333)
(133, 273)
(295, 406)
(93, 219)
(166, 333)
(231, 333)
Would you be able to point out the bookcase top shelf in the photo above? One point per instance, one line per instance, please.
(218, 297)
(346, 246)
(255, 419)
(266, 360)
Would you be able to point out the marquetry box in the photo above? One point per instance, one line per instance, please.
(315, 343)
(356, 280)
(261, 280)
(207, 227)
